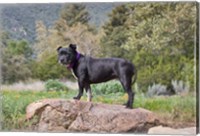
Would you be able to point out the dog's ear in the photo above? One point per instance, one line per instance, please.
(59, 48)
(72, 46)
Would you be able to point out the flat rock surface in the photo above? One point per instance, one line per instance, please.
(59, 115)
(168, 130)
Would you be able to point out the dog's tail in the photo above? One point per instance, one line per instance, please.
(134, 76)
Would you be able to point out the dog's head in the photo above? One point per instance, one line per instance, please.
(66, 56)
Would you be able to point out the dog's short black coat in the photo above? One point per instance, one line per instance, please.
(90, 70)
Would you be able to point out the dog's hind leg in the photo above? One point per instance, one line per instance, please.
(126, 83)
(130, 101)
(131, 95)
(89, 93)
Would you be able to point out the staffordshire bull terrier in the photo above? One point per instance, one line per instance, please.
(90, 70)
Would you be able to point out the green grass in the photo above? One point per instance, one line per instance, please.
(15, 103)
(181, 108)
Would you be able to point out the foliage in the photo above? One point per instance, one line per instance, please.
(180, 87)
(74, 13)
(157, 37)
(62, 34)
(49, 68)
(15, 69)
(15, 103)
(54, 85)
(157, 26)
(111, 87)
(19, 48)
(46, 65)
(41, 43)
(162, 69)
(85, 38)
(175, 108)
(116, 31)
(16, 58)
(156, 89)
(161, 39)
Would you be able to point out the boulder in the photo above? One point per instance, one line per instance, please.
(59, 115)
(172, 131)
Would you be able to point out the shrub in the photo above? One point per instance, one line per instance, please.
(49, 68)
(108, 87)
(180, 87)
(156, 89)
(55, 85)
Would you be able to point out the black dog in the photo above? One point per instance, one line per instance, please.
(90, 70)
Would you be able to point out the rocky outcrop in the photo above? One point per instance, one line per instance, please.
(58, 115)
(172, 131)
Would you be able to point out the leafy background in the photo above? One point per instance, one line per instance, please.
(159, 38)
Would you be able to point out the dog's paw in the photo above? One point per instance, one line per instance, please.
(129, 107)
(76, 98)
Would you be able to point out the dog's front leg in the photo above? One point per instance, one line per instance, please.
(89, 93)
(80, 93)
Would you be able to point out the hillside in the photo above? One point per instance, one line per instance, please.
(19, 19)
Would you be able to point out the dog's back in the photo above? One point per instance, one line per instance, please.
(104, 69)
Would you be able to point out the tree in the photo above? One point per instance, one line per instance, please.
(41, 38)
(4, 36)
(161, 39)
(163, 26)
(87, 41)
(19, 48)
(71, 27)
(46, 65)
(74, 13)
(15, 69)
(49, 68)
(116, 30)
(16, 58)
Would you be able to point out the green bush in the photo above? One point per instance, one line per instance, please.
(55, 85)
(156, 89)
(108, 88)
(180, 87)
(49, 68)
(161, 69)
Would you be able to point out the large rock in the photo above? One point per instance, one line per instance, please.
(172, 131)
(58, 115)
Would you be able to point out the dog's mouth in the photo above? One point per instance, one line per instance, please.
(67, 64)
